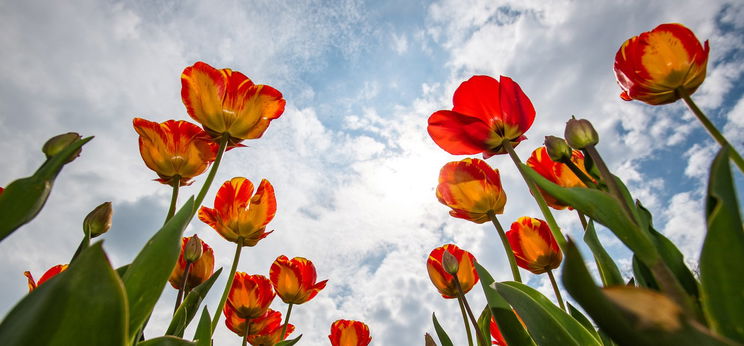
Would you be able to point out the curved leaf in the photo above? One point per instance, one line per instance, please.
(484, 324)
(578, 316)
(444, 339)
(190, 305)
(166, 341)
(289, 342)
(608, 270)
(511, 328)
(203, 334)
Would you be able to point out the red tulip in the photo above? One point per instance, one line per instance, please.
(445, 282)
(294, 280)
(557, 172)
(472, 189)
(250, 295)
(498, 338)
(51, 272)
(349, 333)
(199, 271)
(534, 246)
(486, 112)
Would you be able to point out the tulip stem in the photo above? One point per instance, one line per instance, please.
(184, 282)
(478, 332)
(286, 321)
(174, 198)
(230, 279)
(507, 247)
(212, 172)
(580, 174)
(247, 329)
(556, 290)
(559, 238)
(712, 130)
(582, 218)
(609, 179)
(465, 320)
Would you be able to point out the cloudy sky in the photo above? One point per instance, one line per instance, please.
(353, 167)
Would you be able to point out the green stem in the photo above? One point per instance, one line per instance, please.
(184, 282)
(174, 197)
(580, 174)
(247, 329)
(212, 172)
(712, 130)
(556, 290)
(507, 247)
(230, 279)
(465, 320)
(582, 218)
(609, 179)
(559, 238)
(286, 321)
(481, 338)
(83, 245)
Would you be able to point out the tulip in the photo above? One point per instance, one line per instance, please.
(199, 271)
(239, 217)
(349, 333)
(294, 280)
(557, 148)
(580, 133)
(534, 246)
(445, 282)
(250, 295)
(270, 336)
(98, 221)
(472, 189)
(486, 113)
(226, 102)
(556, 172)
(56, 144)
(498, 338)
(652, 66)
(32, 285)
(177, 151)
(268, 321)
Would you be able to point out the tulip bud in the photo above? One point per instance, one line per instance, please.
(193, 250)
(558, 149)
(580, 133)
(429, 340)
(58, 143)
(98, 221)
(450, 263)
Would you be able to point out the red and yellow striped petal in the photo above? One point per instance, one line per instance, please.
(202, 90)
(51, 272)
(199, 271)
(443, 281)
(472, 189)
(349, 333)
(534, 246)
(295, 280)
(260, 325)
(270, 336)
(556, 172)
(250, 295)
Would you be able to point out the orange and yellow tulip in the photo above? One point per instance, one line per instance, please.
(443, 281)
(177, 151)
(259, 325)
(534, 246)
(239, 217)
(250, 295)
(294, 280)
(472, 189)
(652, 66)
(557, 172)
(227, 102)
(271, 335)
(199, 271)
(349, 333)
(51, 272)
(486, 112)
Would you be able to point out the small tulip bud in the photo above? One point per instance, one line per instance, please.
(449, 262)
(429, 341)
(557, 149)
(58, 143)
(580, 133)
(193, 250)
(98, 221)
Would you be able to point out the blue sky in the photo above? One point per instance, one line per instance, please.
(350, 159)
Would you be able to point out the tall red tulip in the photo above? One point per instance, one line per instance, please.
(199, 271)
(472, 189)
(445, 282)
(534, 246)
(349, 333)
(295, 280)
(250, 295)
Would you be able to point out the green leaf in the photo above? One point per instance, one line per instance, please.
(83, 305)
(548, 324)
(578, 316)
(289, 342)
(122, 270)
(24, 198)
(605, 209)
(484, 324)
(637, 326)
(444, 339)
(167, 340)
(721, 269)
(643, 275)
(608, 270)
(203, 334)
(511, 328)
(190, 305)
(148, 273)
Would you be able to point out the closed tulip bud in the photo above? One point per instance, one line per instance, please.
(98, 221)
(193, 249)
(558, 149)
(429, 340)
(449, 262)
(580, 133)
(58, 143)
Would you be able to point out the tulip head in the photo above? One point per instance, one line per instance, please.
(250, 295)
(294, 280)
(98, 221)
(472, 189)
(58, 143)
(177, 151)
(652, 66)
(557, 149)
(193, 250)
(238, 214)
(444, 281)
(271, 335)
(486, 113)
(50, 273)
(200, 269)
(262, 325)
(226, 102)
(534, 246)
(349, 333)
(557, 172)
(580, 133)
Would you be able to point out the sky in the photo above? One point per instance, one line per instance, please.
(350, 159)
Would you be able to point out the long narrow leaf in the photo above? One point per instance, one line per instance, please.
(444, 339)
(190, 305)
(511, 328)
(608, 270)
(203, 334)
(166, 341)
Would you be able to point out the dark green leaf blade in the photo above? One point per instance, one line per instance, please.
(444, 339)
(289, 342)
(608, 270)
(484, 324)
(578, 316)
(167, 340)
(190, 305)
(203, 334)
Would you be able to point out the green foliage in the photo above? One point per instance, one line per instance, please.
(203, 334)
(484, 324)
(511, 328)
(608, 270)
(444, 339)
(190, 305)
(289, 342)
(166, 341)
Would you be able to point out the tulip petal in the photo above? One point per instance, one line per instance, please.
(457, 133)
(476, 97)
(202, 91)
(518, 113)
